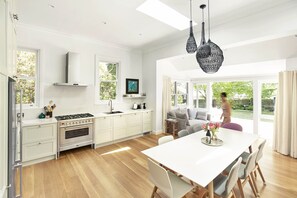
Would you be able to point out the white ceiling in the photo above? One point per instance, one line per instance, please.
(258, 58)
(124, 25)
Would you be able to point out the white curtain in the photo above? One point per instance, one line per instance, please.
(285, 126)
(166, 99)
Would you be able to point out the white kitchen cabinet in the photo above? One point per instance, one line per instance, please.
(39, 142)
(115, 127)
(103, 130)
(39, 133)
(3, 135)
(134, 124)
(38, 150)
(147, 121)
(119, 127)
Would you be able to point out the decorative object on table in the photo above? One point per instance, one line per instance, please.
(214, 128)
(49, 109)
(217, 142)
(203, 50)
(143, 106)
(132, 86)
(41, 116)
(211, 137)
(212, 63)
(191, 46)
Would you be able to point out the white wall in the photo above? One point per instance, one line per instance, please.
(268, 24)
(53, 47)
(291, 64)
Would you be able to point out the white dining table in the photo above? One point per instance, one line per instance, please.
(198, 162)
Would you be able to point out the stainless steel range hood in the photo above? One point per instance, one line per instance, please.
(72, 71)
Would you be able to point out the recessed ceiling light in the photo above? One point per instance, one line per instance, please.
(165, 14)
(139, 34)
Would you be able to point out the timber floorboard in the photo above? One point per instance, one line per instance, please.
(120, 171)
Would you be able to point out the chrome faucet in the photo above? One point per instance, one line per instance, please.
(110, 104)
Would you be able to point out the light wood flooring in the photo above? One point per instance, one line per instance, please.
(120, 171)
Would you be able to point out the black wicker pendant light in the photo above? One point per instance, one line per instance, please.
(213, 62)
(203, 50)
(191, 46)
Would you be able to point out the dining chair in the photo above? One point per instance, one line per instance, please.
(224, 185)
(182, 133)
(170, 184)
(245, 156)
(232, 126)
(246, 173)
(165, 139)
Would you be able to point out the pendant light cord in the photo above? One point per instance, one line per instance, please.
(208, 21)
(191, 10)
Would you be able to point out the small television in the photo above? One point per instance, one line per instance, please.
(132, 86)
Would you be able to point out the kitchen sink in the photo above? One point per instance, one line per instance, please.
(113, 112)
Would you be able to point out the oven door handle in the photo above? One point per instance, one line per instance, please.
(69, 128)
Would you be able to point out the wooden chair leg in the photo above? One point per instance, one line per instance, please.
(154, 191)
(234, 195)
(260, 172)
(252, 186)
(254, 182)
(240, 188)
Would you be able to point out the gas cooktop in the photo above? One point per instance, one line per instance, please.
(74, 116)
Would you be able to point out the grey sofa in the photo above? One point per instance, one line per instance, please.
(189, 119)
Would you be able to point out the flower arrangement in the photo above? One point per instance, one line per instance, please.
(213, 127)
(49, 109)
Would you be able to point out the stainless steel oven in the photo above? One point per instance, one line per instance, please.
(75, 133)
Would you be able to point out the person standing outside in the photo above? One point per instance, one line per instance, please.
(226, 107)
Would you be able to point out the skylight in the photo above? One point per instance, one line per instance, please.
(165, 14)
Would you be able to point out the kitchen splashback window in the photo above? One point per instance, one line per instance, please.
(107, 80)
(27, 75)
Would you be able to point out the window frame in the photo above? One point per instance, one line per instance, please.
(175, 94)
(197, 92)
(36, 104)
(98, 80)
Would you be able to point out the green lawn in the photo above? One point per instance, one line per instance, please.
(243, 114)
(248, 115)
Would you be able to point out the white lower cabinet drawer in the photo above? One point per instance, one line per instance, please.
(135, 130)
(147, 127)
(38, 150)
(102, 136)
(39, 133)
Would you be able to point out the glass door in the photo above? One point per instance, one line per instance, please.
(268, 97)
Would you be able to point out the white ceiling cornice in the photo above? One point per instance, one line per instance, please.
(76, 37)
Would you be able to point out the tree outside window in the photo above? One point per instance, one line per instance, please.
(26, 66)
(199, 95)
(108, 80)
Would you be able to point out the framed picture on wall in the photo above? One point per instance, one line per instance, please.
(132, 86)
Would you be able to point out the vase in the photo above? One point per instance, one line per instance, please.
(214, 135)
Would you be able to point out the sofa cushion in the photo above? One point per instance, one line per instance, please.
(195, 125)
(182, 120)
(192, 113)
(201, 115)
(171, 114)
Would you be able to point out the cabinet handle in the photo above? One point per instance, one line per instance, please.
(39, 126)
(39, 143)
